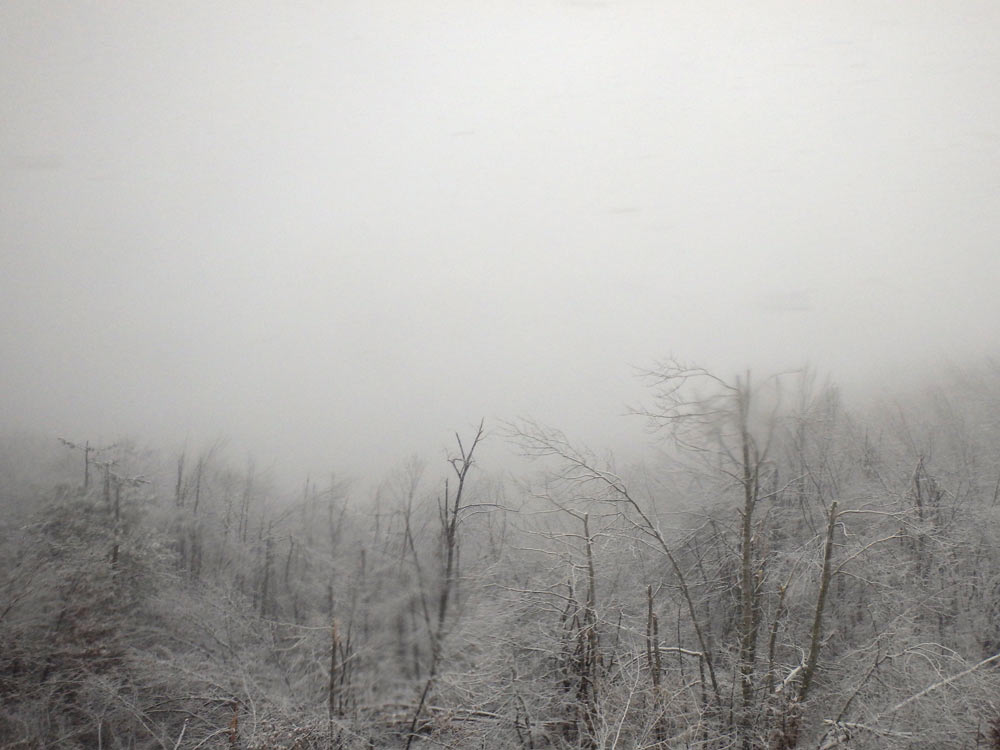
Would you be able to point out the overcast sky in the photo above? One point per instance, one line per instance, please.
(336, 231)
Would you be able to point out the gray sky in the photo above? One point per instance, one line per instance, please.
(335, 231)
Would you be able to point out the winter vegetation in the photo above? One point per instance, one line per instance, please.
(789, 571)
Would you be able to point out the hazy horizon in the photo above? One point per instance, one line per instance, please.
(338, 232)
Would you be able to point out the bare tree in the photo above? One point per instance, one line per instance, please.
(451, 512)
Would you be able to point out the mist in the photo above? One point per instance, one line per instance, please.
(336, 232)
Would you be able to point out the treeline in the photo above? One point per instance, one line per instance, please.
(787, 573)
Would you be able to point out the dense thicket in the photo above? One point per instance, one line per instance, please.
(787, 573)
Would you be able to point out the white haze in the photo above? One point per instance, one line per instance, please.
(336, 231)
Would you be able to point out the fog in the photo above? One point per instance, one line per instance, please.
(336, 232)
